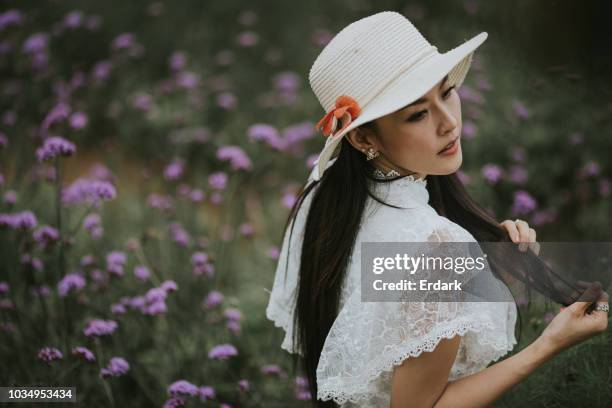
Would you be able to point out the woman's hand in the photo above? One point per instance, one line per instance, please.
(519, 231)
(573, 324)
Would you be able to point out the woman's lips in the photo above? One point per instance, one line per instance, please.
(450, 149)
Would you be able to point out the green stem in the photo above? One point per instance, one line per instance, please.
(107, 389)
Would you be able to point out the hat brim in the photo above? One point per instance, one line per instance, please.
(405, 90)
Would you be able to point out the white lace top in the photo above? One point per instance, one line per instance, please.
(368, 338)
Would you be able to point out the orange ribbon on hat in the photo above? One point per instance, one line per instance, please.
(346, 110)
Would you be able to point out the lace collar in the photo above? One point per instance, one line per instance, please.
(405, 192)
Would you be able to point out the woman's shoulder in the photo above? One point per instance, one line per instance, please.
(417, 224)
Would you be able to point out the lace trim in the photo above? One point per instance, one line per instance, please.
(393, 174)
(282, 319)
(330, 390)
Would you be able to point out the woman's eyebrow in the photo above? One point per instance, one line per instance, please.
(422, 100)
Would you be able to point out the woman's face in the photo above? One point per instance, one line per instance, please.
(410, 139)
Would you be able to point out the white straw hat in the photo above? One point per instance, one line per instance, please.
(376, 66)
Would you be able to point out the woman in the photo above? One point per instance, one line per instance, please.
(387, 173)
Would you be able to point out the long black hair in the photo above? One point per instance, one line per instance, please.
(332, 223)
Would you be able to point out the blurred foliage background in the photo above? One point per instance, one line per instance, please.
(187, 129)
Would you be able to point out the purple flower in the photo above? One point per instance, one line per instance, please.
(233, 326)
(169, 286)
(273, 252)
(469, 94)
(301, 382)
(464, 178)
(10, 197)
(248, 38)
(517, 174)
(218, 180)
(174, 170)
(115, 260)
(49, 354)
(491, 172)
(576, 138)
(523, 203)
(303, 395)
(98, 327)
(311, 160)
(182, 387)
(4, 288)
(272, 369)
(122, 41)
(21, 220)
(84, 353)
(287, 81)
(59, 112)
(45, 236)
(233, 314)
(101, 70)
(206, 393)
(36, 43)
(160, 202)
(243, 385)
(199, 258)
(88, 191)
(247, 229)
(213, 299)
(87, 260)
(222, 352)
(72, 282)
(178, 60)
(590, 169)
(118, 309)
(236, 156)
(289, 200)
(93, 22)
(179, 234)
(227, 100)
(116, 367)
(542, 217)
(216, 198)
(10, 17)
(175, 402)
(78, 120)
(155, 295)
(187, 80)
(91, 221)
(267, 133)
(54, 147)
(468, 129)
(520, 110)
(155, 308)
(142, 272)
(142, 102)
(73, 19)
(196, 195)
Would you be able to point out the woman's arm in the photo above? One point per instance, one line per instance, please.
(486, 386)
(422, 381)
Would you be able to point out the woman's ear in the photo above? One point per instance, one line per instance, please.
(361, 139)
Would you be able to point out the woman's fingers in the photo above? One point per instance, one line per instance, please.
(513, 231)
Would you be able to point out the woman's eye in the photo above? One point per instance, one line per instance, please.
(419, 115)
(448, 92)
